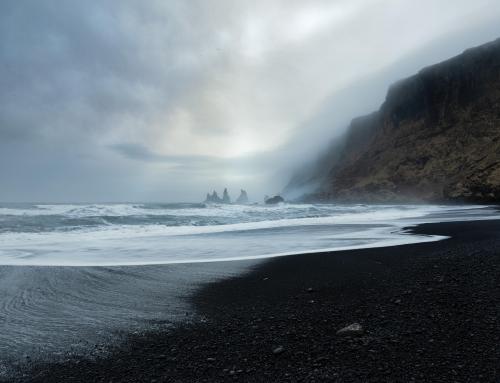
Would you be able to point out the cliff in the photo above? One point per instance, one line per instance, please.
(435, 138)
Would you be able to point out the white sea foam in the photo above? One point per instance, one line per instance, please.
(158, 234)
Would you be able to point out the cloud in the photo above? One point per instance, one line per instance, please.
(198, 93)
(142, 153)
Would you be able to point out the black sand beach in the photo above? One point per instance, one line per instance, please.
(429, 313)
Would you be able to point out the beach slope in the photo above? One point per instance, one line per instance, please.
(428, 312)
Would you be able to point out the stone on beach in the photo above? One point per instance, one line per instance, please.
(278, 350)
(352, 329)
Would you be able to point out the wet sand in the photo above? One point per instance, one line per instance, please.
(429, 312)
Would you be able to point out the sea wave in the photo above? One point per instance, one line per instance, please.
(123, 234)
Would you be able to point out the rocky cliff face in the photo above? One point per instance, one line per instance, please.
(435, 138)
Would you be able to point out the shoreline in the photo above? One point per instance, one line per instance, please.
(427, 310)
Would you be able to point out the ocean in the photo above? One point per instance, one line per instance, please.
(162, 233)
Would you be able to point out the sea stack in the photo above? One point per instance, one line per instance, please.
(243, 198)
(213, 198)
(225, 197)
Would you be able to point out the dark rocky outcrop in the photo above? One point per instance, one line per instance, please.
(214, 197)
(225, 197)
(243, 198)
(435, 138)
(274, 200)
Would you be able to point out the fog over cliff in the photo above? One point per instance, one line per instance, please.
(163, 101)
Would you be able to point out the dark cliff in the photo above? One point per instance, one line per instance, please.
(435, 138)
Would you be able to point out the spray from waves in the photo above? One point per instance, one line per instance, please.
(143, 234)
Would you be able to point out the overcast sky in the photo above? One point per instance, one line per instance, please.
(164, 100)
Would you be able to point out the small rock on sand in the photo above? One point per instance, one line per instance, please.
(352, 329)
(278, 350)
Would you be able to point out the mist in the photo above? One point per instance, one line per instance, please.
(164, 101)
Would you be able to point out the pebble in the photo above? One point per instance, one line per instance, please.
(352, 329)
(278, 350)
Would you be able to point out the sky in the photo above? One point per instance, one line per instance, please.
(156, 100)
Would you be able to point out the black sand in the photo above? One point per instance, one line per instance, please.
(430, 313)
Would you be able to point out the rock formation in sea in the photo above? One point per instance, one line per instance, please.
(243, 198)
(274, 200)
(225, 197)
(435, 138)
(214, 197)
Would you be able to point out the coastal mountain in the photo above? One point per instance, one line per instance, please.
(435, 138)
